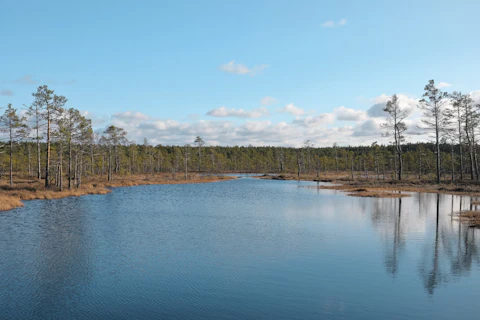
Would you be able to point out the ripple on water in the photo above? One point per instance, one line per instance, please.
(238, 249)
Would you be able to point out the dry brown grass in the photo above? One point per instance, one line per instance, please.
(376, 194)
(354, 191)
(9, 202)
(470, 217)
(323, 177)
(409, 184)
(28, 189)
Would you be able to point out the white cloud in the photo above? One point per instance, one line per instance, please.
(224, 112)
(371, 127)
(238, 68)
(313, 121)
(26, 79)
(333, 24)
(376, 110)
(328, 24)
(292, 109)
(443, 85)
(266, 101)
(347, 114)
(98, 119)
(130, 116)
(6, 93)
(475, 95)
(322, 130)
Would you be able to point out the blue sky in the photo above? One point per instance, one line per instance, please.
(162, 69)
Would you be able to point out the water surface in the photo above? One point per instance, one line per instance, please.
(243, 249)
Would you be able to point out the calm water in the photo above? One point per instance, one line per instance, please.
(244, 249)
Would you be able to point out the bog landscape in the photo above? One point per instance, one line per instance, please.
(147, 174)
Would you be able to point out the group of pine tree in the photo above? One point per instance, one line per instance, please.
(58, 143)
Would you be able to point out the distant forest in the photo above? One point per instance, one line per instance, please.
(59, 143)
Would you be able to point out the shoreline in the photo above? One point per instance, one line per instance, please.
(383, 188)
(25, 190)
(373, 188)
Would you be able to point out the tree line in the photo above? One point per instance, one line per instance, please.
(453, 119)
(58, 144)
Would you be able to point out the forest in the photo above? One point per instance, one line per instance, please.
(58, 145)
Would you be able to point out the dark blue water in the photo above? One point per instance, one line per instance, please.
(244, 249)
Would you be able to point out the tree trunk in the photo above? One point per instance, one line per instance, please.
(420, 166)
(11, 157)
(75, 169)
(60, 167)
(383, 167)
(453, 165)
(39, 167)
(472, 170)
(475, 161)
(461, 159)
(186, 163)
(298, 166)
(92, 169)
(80, 169)
(70, 164)
(103, 163)
(117, 165)
(352, 167)
(29, 161)
(336, 161)
(109, 163)
(47, 165)
(400, 166)
(437, 145)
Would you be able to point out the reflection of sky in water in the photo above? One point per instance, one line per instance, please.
(240, 249)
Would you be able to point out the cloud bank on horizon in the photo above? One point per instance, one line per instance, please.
(229, 126)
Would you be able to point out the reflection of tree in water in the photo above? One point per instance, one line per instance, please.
(398, 242)
(452, 252)
(432, 276)
(387, 216)
(460, 248)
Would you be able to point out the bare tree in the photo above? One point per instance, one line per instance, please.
(35, 111)
(335, 149)
(457, 113)
(48, 102)
(436, 117)
(15, 127)
(199, 143)
(395, 126)
(471, 121)
(308, 145)
(113, 136)
(73, 129)
(185, 159)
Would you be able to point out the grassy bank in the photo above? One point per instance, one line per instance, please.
(373, 187)
(31, 189)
